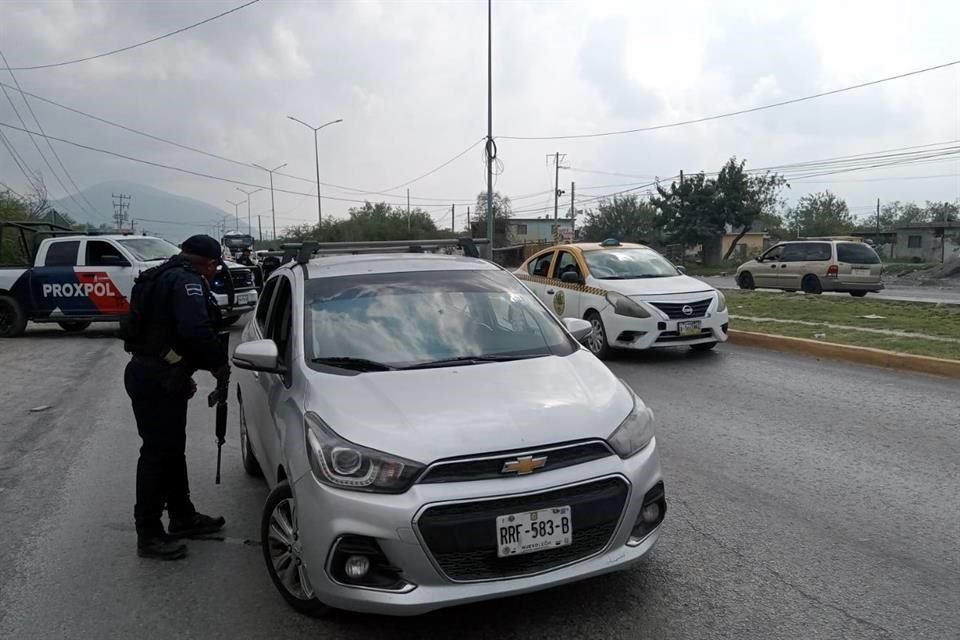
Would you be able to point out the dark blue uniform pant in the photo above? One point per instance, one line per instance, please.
(160, 393)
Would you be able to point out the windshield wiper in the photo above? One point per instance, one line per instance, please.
(467, 360)
(356, 364)
(634, 276)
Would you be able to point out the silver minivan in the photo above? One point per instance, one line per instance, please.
(815, 266)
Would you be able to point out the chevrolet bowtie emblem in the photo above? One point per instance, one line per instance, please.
(524, 465)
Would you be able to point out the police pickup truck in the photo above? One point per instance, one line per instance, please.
(77, 279)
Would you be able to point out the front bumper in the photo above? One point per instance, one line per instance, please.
(245, 300)
(326, 514)
(656, 332)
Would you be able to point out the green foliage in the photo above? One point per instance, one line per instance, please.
(821, 214)
(502, 210)
(13, 209)
(626, 218)
(371, 222)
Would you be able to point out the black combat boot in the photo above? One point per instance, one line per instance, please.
(160, 547)
(195, 525)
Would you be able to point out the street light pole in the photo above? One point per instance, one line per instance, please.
(273, 208)
(316, 153)
(236, 211)
(248, 194)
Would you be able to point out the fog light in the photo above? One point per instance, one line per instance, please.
(356, 567)
(650, 513)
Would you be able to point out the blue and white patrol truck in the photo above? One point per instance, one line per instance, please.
(76, 279)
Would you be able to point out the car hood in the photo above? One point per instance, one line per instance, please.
(429, 414)
(653, 286)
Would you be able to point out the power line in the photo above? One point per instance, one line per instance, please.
(89, 208)
(201, 174)
(132, 46)
(741, 111)
(18, 160)
(434, 170)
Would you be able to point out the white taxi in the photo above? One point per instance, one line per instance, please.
(633, 296)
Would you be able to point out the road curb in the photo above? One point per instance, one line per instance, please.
(848, 353)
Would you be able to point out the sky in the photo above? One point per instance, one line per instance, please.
(409, 80)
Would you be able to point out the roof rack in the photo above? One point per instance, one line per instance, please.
(302, 252)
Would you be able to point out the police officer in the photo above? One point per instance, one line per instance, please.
(171, 332)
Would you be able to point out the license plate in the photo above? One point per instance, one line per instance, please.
(241, 298)
(689, 328)
(861, 272)
(533, 531)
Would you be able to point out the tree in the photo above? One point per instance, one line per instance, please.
(371, 222)
(625, 218)
(688, 215)
(942, 211)
(742, 199)
(821, 214)
(502, 210)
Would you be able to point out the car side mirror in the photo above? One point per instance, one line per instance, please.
(258, 355)
(759, 258)
(682, 270)
(113, 261)
(581, 330)
(572, 277)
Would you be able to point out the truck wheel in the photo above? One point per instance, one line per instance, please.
(74, 326)
(13, 321)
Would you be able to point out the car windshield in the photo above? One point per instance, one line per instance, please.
(626, 264)
(147, 249)
(417, 318)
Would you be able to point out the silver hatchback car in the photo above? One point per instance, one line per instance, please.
(433, 435)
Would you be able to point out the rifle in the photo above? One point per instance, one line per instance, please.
(218, 398)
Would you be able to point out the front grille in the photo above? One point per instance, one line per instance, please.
(674, 310)
(673, 336)
(242, 278)
(492, 466)
(462, 537)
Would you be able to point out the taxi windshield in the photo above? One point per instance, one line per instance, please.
(627, 264)
(416, 319)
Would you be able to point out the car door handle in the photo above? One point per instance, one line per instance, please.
(550, 292)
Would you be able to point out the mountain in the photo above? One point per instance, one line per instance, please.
(158, 212)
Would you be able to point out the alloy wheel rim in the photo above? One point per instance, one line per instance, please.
(283, 544)
(597, 337)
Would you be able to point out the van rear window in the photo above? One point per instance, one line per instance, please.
(856, 253)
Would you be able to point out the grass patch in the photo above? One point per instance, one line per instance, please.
(916, 317)
(903, 268)
(916, 346)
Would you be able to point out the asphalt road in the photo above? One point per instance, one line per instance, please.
(947, 295)
(807, 499)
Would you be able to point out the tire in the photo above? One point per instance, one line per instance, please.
(250, 464)
(13, 321)
(598, 339)
(703, 346)
(74, 326)
(280, 543)
(811, 284)
(858, 294)
(745, 281)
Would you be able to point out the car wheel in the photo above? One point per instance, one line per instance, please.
(703, 346)
(598, 338)
(74, 326)
(13, 321)
(745, 281)
(280, 535)
(811, 284)
(858, 294)
(250, 464)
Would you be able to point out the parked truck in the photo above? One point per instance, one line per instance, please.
(74, 279)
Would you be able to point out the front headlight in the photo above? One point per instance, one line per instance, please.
(721, 301)
(342, 464)
(635, 432)
(624, 306)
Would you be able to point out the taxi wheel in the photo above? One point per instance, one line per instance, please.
(280, 533)
(598, 339)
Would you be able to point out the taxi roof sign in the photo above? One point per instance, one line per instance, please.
(610, 242)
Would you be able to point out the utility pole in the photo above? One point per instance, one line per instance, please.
(878, 218)
(453, 217)
(408, 211)
(573, 210)
(557, 191)
(236, 212)
(260, 227)
(469, 228)
(121, 206)
(316, 153)
(491, 145)
(273, 209)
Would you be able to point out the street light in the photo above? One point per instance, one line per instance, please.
(273, 209)
(248, 194)
(236, 211)
(316, 152)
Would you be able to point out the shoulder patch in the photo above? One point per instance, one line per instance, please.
(193, 289)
